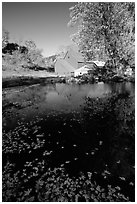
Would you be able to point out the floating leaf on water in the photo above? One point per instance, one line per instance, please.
(47, 153)
(62, 165)
(122, 178)
(107, 172)
(36, 168)
(74, 145)
(126, 148)
(67, 162)
(100, 142)
(35, 131)
(95, 172)
(40, 135)
(117, 187)
(89, 174)
(131, 184)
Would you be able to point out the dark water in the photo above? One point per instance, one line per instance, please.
(78, 127)
(58, 98)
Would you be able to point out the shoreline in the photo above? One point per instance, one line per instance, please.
(14, 79)
(26, 80)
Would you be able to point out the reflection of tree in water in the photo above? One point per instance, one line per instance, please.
(99, 90)
(112, 121)
(76, 94)
(123, 88)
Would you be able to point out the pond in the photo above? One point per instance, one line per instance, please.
(81, 128)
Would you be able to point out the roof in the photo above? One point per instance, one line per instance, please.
(83, 68)
(77, 55)
(98, 63)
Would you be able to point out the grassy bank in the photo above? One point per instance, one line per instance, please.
(20, 78)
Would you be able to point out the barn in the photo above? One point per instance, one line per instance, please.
(63, 68)
(69, 63)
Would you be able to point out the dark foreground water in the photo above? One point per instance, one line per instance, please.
(78, 128)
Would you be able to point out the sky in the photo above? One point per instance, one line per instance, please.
(43, 22)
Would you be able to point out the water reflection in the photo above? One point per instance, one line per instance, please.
(43, 99)
(99, 90)
(72, 96)
(64, 96)
(123, 88)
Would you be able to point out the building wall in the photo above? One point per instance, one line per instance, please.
(80, 64)
(80, 72)
(69, 64)
(63, 68)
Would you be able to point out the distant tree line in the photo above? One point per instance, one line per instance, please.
(26, 56)
(106, 30)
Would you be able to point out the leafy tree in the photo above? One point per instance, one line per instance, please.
(34, 55)
(105, 29)
(30, 44)
(23, 49)
(10, 48)
(27, 55)
(5, 37)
